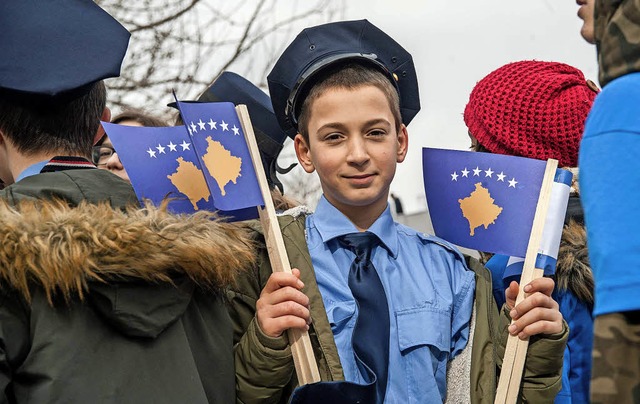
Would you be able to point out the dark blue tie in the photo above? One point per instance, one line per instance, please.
(370, 338)
(370, 335)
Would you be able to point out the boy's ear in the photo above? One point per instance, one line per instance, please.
(403, 143)
(106, 117)
(303, 152)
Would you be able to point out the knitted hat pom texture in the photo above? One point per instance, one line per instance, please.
(531, 109)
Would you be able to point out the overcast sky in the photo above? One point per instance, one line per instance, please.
(454, 44)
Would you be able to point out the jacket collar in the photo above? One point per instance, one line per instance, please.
(332, 223)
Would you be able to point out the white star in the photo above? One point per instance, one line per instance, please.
(513, 183)
(185, 145)
(454, 176)
(172, 147)
(236, 131)
(465, 172)
(189, 129)
(476, 172)
(488, 172)
(160, 148)
(201, 125)
(501, 176)
(193, 128)
(212, 124)
(224, 125)
(151, 153)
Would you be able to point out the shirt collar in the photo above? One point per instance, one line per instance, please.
(33, 169)
(332, 223)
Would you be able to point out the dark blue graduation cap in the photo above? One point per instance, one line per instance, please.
(57, 48)
(231, 87)
(317, 48)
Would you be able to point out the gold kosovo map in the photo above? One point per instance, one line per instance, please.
(478, 208)
(221, 164)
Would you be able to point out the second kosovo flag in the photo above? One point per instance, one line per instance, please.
(482, 201)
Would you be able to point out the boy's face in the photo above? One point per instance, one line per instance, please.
(354, 147)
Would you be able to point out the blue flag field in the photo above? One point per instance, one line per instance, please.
(482, 201)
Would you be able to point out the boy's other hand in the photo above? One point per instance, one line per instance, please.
(538, 313)
(282, 305)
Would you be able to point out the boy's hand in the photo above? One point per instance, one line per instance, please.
(282, 305)
(538, 313)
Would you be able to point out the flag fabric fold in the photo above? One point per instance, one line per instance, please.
(552, 232)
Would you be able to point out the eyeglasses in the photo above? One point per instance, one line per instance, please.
(101, 154)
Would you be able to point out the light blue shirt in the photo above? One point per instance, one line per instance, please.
(430, 294)
(32, 170)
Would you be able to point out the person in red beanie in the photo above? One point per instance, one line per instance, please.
(538, 110)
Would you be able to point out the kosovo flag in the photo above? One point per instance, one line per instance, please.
(216, 133)
(216, 174)
(162, 162)
(482, 201)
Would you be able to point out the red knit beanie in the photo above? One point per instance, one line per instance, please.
(531, 109)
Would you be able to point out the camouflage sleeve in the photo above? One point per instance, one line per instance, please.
(616, 358)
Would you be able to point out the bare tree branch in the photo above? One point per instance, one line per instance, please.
(186, 44)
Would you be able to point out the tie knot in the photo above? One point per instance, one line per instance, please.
(360, 243)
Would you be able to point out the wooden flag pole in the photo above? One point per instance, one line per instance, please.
(516, 349)
(301, 349)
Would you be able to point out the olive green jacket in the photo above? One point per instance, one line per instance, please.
(264, 365)
(99, 305)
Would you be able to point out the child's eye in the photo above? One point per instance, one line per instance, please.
(377, 133)
(333, 137)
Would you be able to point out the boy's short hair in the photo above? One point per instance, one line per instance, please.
(348, 76)
(67, 126)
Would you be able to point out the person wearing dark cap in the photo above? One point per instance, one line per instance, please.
(537, 110)
(231, 87)
(610, 174)
(387, 308)
(100, 301)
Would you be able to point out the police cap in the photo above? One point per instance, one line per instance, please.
(57, 48)
(317, 48)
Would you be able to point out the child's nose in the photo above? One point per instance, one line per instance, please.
(358, 153)
(114, 162)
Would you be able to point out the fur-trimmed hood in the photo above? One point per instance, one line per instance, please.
(138, 260)
(573, 271)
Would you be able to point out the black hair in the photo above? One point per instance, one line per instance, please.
(60, 124)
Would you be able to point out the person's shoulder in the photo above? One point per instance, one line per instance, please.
(290, 221)
(615, 108)
(73, 186)
(619, 90)
(629, 83)
(429, 242)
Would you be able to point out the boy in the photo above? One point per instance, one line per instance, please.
(348, 90)
(96, 304)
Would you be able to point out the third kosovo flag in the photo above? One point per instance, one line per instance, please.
(482, 201)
